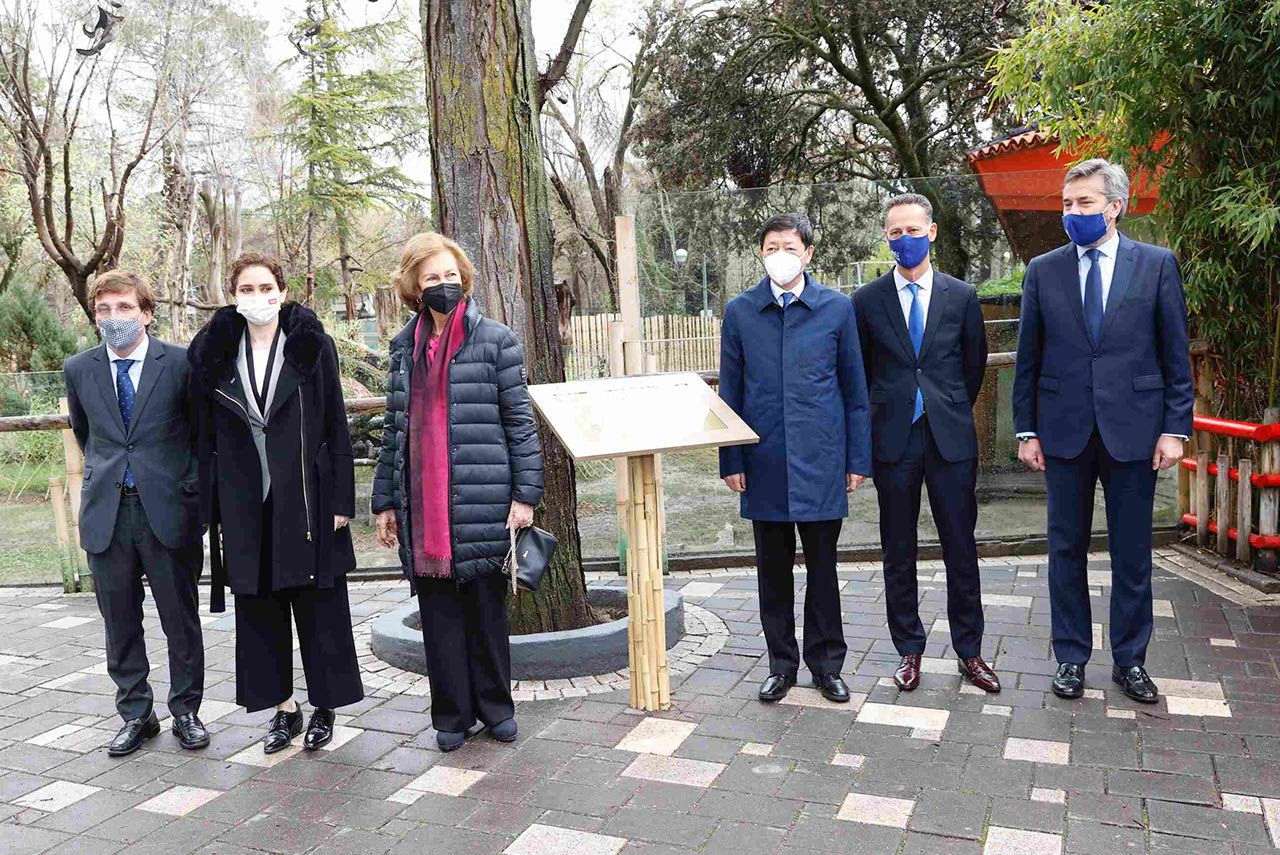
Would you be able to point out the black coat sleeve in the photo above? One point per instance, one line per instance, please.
(338, 435)
(518, 423)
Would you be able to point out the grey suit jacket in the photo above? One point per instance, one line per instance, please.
(158, 445)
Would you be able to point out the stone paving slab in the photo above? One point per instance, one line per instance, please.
(945, 769)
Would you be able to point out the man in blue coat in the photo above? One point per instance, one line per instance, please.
(1102, 392)
(791, 366)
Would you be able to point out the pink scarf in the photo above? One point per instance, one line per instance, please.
(429, 416)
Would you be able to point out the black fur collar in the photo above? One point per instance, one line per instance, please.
(213, 351)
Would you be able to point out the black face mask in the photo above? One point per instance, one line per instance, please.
(442, 297)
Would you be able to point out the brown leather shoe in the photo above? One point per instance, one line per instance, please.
(980, 674)
(907, 677)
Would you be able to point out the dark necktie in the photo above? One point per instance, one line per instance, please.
(1093, 297)
(787, 297)
(915, 328)
(126, 393)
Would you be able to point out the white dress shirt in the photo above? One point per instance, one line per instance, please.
(1106, 265)
(139, 355)
(778, 292)
(904, 293)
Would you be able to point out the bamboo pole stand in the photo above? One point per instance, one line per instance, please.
(647, 624)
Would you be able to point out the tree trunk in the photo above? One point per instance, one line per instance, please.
(490, 194)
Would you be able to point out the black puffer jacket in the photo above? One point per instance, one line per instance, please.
(308, 452)
(494, 454)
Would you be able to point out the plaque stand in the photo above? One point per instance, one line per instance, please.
(647, 625)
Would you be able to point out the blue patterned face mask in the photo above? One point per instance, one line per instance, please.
(910, 250)
(119, 333)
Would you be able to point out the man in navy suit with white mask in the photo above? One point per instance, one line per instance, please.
(1102, 392)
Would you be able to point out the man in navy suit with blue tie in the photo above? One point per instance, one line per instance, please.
(925, 351)
(1102, 392)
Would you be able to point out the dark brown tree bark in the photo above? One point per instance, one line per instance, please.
(490, 194)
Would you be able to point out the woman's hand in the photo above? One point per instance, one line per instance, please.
(387, 529)
(521, 516)
(339, 521)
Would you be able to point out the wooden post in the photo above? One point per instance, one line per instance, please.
(647, 623)
(1244, 510)
(75, 480)
(1202, 499)
(1269, 499)
(58, 498)
(1222, 504)
(629, 293)
(622, 484)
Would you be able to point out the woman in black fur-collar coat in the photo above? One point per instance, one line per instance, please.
(278, 491)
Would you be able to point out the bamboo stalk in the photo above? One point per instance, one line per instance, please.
(1269, 499)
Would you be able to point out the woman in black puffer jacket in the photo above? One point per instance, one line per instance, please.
(460, 466)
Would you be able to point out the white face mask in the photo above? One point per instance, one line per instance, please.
(258, 309)
(783, 267)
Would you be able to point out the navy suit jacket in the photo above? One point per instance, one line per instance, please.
(158, 445)
(796, 378)
(1134, 386)
(949, 370)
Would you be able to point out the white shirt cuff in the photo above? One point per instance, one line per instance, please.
(1177, 435)
(1027, 435)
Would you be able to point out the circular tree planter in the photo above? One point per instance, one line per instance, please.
(396, 638)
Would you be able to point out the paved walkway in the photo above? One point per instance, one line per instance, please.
(945, 769)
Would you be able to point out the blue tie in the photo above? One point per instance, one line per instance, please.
(125, 393)
(915, 328)
(1093, 298)
(787, 297)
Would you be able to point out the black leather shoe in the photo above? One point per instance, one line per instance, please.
(1136, 683)
(133, 734)
(190, 731)
(832, 688)
(284, 727)
(1069, 681)
(320, 731)
(776, 686)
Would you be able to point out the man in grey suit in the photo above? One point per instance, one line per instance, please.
(139, 511)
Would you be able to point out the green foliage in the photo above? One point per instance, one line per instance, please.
(1008, 285)
(354, 116)
(1205, 74)
(31, 336)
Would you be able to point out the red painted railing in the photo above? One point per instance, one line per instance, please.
(1208, 489)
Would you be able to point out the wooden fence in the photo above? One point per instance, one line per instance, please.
(1229, 489)
(679, 342)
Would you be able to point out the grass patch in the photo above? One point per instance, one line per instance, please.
(29, 551)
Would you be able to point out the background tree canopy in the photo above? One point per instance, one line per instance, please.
(1115, 77)
(756, 93)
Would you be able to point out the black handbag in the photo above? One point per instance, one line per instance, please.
(528, 558)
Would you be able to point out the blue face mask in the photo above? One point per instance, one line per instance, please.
(910, 250)
(1084, 229)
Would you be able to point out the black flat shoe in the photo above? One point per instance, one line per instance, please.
(833, 688)
(776, 686)
(1069, 681)
(190, 731)
(1136, 683)
(320, 731)
(133, 734)
(284, 727)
